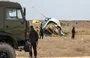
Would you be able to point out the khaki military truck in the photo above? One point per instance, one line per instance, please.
(13, 28)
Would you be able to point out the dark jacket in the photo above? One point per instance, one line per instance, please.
(33, 36)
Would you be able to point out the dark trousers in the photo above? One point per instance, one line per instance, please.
(34, 46)
(73, 35)
(41, 36)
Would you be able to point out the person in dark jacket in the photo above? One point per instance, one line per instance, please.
(33, 38)
(73, 32)
(41, 32)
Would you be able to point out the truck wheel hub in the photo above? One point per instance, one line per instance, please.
(4, 55)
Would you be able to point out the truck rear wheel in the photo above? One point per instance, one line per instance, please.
(6, 51)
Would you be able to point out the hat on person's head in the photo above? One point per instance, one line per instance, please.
(31, 26)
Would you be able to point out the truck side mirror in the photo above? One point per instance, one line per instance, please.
(24, 12)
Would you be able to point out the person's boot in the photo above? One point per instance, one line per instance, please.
(35, 56)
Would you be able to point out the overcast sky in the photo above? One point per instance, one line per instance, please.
(61, 9)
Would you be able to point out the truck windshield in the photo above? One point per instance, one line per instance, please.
(13, 14)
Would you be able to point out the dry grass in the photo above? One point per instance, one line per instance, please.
(61, 46)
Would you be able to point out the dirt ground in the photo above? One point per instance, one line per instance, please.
(64, 46)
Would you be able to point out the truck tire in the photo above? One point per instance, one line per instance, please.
(6, 51)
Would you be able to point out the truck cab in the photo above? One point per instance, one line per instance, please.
(13, 26)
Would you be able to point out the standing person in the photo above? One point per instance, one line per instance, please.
(33, 38)
(41, 32)
(73, 32)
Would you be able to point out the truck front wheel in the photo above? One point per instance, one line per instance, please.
(6, 51)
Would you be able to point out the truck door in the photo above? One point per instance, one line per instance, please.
(14, 23)
(1, 19)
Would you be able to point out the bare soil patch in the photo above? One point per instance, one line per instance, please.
(62, 47)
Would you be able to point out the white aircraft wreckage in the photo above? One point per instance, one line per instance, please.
(52, 26)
